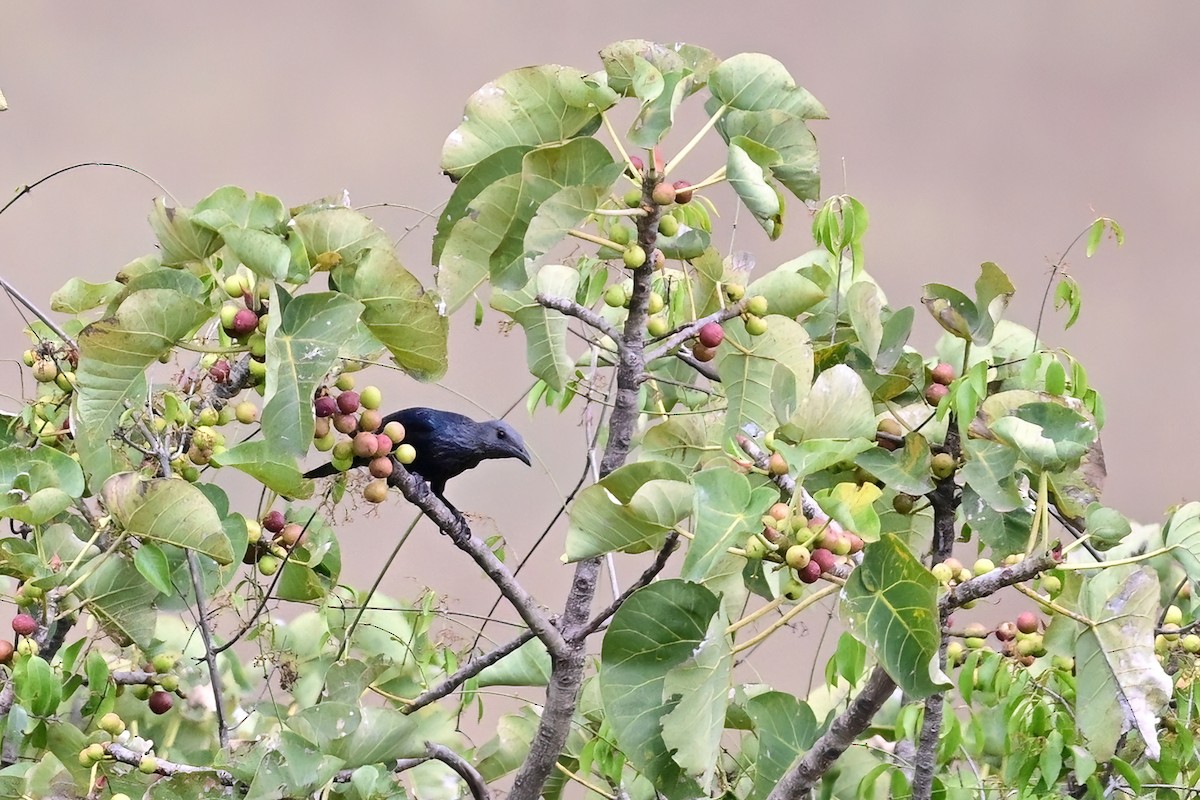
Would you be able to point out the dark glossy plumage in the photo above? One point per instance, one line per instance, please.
(447, 444)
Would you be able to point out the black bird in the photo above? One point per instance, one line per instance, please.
(447, 445)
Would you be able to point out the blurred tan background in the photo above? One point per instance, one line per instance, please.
(971, 132)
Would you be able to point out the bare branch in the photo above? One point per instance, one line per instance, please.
(125, 755)
(466, 672)
(707, 370)
(417, 491)
(460, 765)
(787, 483)
(660, 562)
(685, 332)
(15, 294)
(586, 315)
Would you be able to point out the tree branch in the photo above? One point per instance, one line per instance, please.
(660, 561)
(125, 755)
(460, 765)
(586, 315)
(566, 676)
(685, 332)
(705, 369)
(417, 491)
(787, 483)
(466, 672)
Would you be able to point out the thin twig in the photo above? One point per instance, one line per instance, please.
(15, 294)
(466, 672)
(468, 773)
(660, 561)
(685, 332)
(582, 313)
(125, 755)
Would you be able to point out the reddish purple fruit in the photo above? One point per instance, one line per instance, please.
(345, 423)
(943, 373)
(1027, 622)
(386, 445)
(824, 558)
(160, 702)
(245, 322)
(712, 334)
(380, 467)
(703, 354)
(325, 406)
(638, 164)
(810, 573)
(219, 372)
(24, 625)
(347, 402)
(274, 521)
(683, 192)
(934, 393)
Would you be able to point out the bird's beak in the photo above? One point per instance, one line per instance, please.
(520, 452)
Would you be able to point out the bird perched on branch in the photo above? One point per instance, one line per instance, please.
(447, 445)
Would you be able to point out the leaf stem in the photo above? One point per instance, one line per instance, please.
(711, 180)
(687, 148)
(620, 212)
(786, 618)
(1120, 562)
(1052, 606)
(594, 239)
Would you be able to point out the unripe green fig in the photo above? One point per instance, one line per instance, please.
(983, 565)
(44, 370)
(148, 765)
(228, 313)
(370, 398)
(755, 548)
(620, 234)
(777, 464)
(615, 296)
(793, 590)
(376, 491)
(654, 303)
(943, 466)
(668, 225)
(236, 286)
(1173, 615)
(735, 291)
(942, 573)
(798, 556)
(903, 503)
(1052, 584)
(755, 326)
(1191, 643)
(657, 327)
(406, 454)
(112, 724)
(268, 565)
(344, 382)
(246, 412)
(633, 198)
(29, 358)
(394, 430)
(164, 662)
(634, 256)
(757, 305)
(370, 420)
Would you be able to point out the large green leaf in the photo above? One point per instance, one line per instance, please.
(725, 510)
(337, 235)
(892, 602)
(77, 295)
(398, 311)
(990, 469)
(685, 440)
(1182, 532)
(36, 485)
(904, 470)
(786, 727)
(700, 687)
(853, 505)
(659, 628)
(121, 600)
(181, 239)
(167, 510)
(797, 165)
(838, 406)
(1006, 532)
(747, 169)
(232, 206)
(1048, 436)
(814, 455)
(788, 293)
(757, 82)
(113, 355)
(630, 510)
(495, 167)
(759, 371)
(528, 106)
(545, 328)
(1120, 684)
(528, 666)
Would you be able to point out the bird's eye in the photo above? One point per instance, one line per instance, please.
(500, 433)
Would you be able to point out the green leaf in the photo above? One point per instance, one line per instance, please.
(333, 236)
(785, 727)
(181, 240)
(121, 600)
(892, 600)
(528, 666)
(383, 734)
(505, 751)
(1094, 234)
(758, 371)
(37, 484)
(725, 510)
(1006, 532)
(659, 628)
(788, 293)
(700, 687)
(1067, 293)
(1105, 525)
(630, 510)
(78, 296)
(865, 306)
(529, 106)
(905, 470)
(952, 309)
(36, 686)
(1120, 684)
(167, 510)
(545, 328)
(398, 311)
(153, 565)
(853, 505)
(797, 165)
(894, 336)
(1047, 435)
(265, 254)
(813, 455)
(838, 406)
(1182, 532)
(500, 164)
(990, 469)
(757, 82)
(682, 440)
(113, 355)
(746, 169)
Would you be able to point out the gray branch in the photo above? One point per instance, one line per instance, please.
(466, 672)
(460, 765)
(685, 332)
(582, 313)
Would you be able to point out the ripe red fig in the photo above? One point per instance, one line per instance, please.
(380, 467)
(219, 371)
(274, 521)
(24, 625)
(386, 445)
(1027, 622)
(934, 393)
(683, 192)
(347, 402)
(663, 194)
(810, 573)
(325, 406)
(638, 164)
(711, 335)
(943, 373)
(160, 702)
(824, 558)
(291, 535)
(366, 444)
(245, 322)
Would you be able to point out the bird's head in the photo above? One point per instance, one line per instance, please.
(501, 440)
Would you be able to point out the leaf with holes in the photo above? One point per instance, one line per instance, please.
(892, 604)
